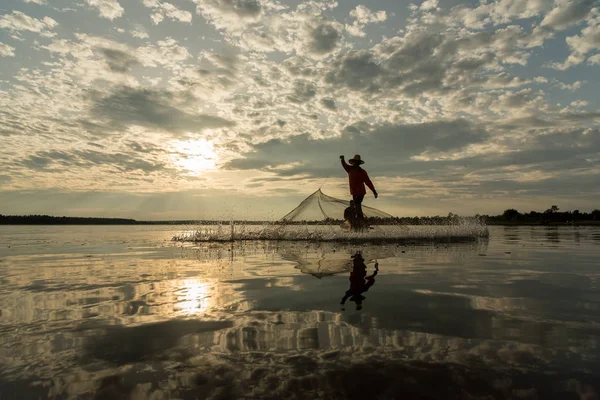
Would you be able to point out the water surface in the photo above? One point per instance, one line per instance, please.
(124, 312)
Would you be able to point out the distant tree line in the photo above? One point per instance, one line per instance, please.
(50, 220)
(552, 216)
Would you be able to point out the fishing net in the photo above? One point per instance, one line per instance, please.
(319, 207)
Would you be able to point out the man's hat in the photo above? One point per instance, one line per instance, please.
(356, 159)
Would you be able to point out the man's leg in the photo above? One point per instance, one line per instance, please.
(358, 206)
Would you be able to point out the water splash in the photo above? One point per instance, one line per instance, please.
(460, 231)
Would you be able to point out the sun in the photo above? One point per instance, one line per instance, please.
(195, 156)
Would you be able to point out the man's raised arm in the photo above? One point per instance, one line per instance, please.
(344, 164)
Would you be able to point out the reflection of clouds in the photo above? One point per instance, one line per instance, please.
(279, 352)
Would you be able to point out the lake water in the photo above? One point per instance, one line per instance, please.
(123, 312)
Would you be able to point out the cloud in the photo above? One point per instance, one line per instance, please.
(580, 45)
(216, 9)
(6, 50)
(270, 26)
(168, 53)
(303, 91)
(119, 61)
(18, 21)
(109, 9)
(121, 161)
(36, 1)
(37, 163)
(55, 161)
(230, 14)
(168, 10)
(423, 62)
(499, 12)
(363, 16)
(138, 31)
(579, 103)
(567, 13)
(324, 38)
(429, 5)
(213, 78)
(594, 60)
(358, 70)
(90, 59)
(152, 109)
(572, 86)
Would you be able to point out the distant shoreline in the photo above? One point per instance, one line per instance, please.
(533, 223)
(51, 220)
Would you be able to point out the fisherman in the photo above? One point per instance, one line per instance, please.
(358, 177)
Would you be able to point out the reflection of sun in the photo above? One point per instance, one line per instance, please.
(194, 296)
(196, 155)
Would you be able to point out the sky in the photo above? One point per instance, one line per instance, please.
(217, 109)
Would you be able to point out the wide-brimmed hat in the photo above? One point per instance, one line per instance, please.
(356, 159)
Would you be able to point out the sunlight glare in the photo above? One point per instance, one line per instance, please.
(196, 156)
(195, 297)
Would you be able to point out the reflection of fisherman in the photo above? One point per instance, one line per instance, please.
(359, 281)
(358, 178)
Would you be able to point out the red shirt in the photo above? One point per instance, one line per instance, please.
(358, 177)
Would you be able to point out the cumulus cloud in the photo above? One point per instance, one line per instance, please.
(499, 12)
(166, 52)
(571, 86)
(580, 103)
(6, 50)
(36, 1)
(324, 38)
(164, 10)
(580, 45)
(18, 21)
(594, 60)
(270, 26)
(362, 16)
(568, 13)
(138, 31)
(429, 5)
(109, 9)
(227, 13)
(119, 61)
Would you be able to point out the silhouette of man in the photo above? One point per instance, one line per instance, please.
(358, 178)
(359, 281)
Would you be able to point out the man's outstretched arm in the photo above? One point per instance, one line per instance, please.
(344, 164)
